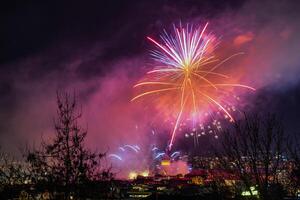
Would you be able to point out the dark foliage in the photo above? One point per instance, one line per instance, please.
(254, 151)
(64, 160)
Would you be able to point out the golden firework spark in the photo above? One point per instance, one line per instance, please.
(186, 75)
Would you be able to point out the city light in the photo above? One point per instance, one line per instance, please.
(252, 192)
(132, 175)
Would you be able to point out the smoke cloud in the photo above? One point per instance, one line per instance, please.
(102, 71)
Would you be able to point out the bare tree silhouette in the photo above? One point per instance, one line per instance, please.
(64, 160)
(12, 171)
(293, 145)
(254, 151)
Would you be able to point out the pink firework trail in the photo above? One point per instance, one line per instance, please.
(185, 75)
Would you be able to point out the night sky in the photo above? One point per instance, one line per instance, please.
(99, 50)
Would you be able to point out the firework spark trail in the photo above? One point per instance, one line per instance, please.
(176, 126)
(131, 147)
(182, 76)
(121, 148)
(175, 154)
(159, 155)
(115, 156)
(154, 149)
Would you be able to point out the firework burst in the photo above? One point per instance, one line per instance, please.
(185, 79)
